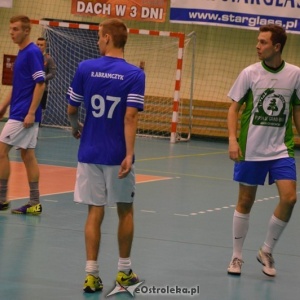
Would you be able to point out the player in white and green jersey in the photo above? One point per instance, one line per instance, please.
(270, 91)
(269, 95)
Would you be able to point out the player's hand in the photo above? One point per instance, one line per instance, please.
(125, 167)
(234, 150)
(29, 120)
(76, 132)
(2, 111)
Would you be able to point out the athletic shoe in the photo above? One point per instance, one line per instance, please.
(126, 280)
(235, 266)
(28, 209)
(92, 284)
(267, 260)
(4, 205)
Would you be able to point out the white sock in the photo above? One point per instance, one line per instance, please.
(92, 267)
(240, 227)
(275, 229)
(124, 265)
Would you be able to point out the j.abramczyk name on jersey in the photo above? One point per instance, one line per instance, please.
(107, 75)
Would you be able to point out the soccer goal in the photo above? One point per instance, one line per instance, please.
(168, 74)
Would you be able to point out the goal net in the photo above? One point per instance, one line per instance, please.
(161, 53)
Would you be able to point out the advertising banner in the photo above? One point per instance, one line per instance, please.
(249, 14)
(139, 10)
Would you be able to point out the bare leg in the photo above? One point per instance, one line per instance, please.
(4, 161)
(4, 172)
(126, 228)
(282, 213)
(288, 198)
(93, 231)
(125, 238)
(93, 223)
(33, 174)
(31, 164)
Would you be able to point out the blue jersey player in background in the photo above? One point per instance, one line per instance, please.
(21, 130)
(112, 92)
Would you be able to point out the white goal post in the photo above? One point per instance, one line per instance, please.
(162, 53)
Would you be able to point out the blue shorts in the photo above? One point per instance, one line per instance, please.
(255, 172)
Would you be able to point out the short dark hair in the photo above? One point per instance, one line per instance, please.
(23, 19)
(41, 39)
(278, 36)
(117, 29)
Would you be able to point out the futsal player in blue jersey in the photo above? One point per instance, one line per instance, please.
(112, 92)
(21, 129)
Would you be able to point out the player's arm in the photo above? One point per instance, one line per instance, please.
(51, 69)
(130, 127)
(73, 105)
(296, 116)
(35, 102)
(232, 122)
(4, 105)
(74, 121)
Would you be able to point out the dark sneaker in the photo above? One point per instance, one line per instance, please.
(28, 209)
(4, 205)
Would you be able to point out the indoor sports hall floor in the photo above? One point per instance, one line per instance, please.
(183, 216)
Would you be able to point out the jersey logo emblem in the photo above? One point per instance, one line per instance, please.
(270, 110)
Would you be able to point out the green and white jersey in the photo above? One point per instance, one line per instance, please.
(266, 122)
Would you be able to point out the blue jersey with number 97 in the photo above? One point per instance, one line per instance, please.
(107, 86)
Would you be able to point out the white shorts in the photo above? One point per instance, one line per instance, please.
(15, 134)
(99, 185)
